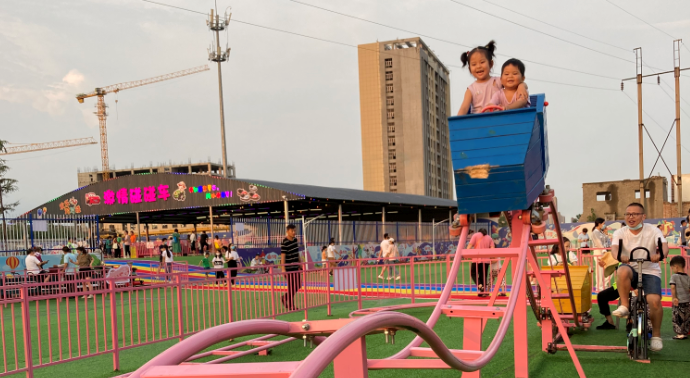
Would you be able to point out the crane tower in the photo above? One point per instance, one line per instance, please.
(115, 88)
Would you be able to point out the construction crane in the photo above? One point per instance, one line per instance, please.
(32, 147)
(100, 106)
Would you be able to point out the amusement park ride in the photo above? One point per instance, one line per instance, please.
(500, 161)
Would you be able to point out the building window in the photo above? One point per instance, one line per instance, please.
(394, 190)
(393, 181)
(389, 76)
(389, 88)
(646, 194)
(391, 155)
(391, 114)
(603, 196)
(391, 141)
(391, 128)
(389, 62)
(392, 168)
(389, 101)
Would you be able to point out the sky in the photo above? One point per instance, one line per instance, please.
(292, 101)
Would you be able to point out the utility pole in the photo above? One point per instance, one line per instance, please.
(638, 64)
(676, 75)
(216, 24)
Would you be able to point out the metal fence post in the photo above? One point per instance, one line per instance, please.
(412, 277)
(359, 284)
(180, 322)
(329, 231)
(354, 233)
(113, 326)
(228, 280)
(397, 231)
(328, 289)
(31, 229)
(232, 233)
(376, 226)
(273, 294)
(268, 231)
(306, 303)
(26, 322)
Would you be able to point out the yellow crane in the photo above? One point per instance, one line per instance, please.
(100, 105)
(16, 148)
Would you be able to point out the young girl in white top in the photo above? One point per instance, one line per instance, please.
(480, 93)
(218, 262)
(166, 259)
(233, 259)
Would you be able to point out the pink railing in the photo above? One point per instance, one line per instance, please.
(43, 323)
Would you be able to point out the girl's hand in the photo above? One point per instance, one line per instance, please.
(675, 302)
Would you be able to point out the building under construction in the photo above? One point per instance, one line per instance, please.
(89, 176)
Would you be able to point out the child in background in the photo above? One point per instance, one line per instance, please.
(205, 263)
(680, 291)
(324, 256)
(512, 75)
(480, 93)
(217, 243)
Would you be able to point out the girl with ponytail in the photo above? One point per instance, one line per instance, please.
(480, 61)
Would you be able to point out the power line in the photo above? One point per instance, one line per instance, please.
(653, 120)
(541, 32)
(608, 1)
(172, 6)
(556, 26)
(447, 41)
(574, 85)
(367, 49)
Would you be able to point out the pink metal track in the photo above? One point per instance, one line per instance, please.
(345, 345)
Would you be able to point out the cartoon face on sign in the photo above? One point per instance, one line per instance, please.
(180, 193)
(249, 196)
(70, 206)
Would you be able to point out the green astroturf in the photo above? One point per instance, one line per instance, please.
(673, 360)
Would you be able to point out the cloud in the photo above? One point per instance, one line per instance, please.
(73, 78)
(51, 100)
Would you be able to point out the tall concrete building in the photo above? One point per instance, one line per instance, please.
(404, 95)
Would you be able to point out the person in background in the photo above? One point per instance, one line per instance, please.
(192, 242)
(132, 243)
(555, 257)
(218, 262)
(176, 242)
(603, 298)
(496, 266)
(166, 260)
(205, 263)
(324, 256)
(34, 266)
(126, 242)
(85, 262)
(680, 291)
(117, 247)
(217, 243)
(255, 264)
(289, 256)
(69, 265)
(108, 246)
(385, 246)
(479, 268)
(203, 241)
(71, 245)
(233, 260)
(330, 255)
(600, 241)
(683, 227)
(391, 260)
(583, 239)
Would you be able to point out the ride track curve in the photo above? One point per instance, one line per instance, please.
(329, 348)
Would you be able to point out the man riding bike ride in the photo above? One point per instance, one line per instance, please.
(639, 234)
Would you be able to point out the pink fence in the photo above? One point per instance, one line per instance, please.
(47, 322)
